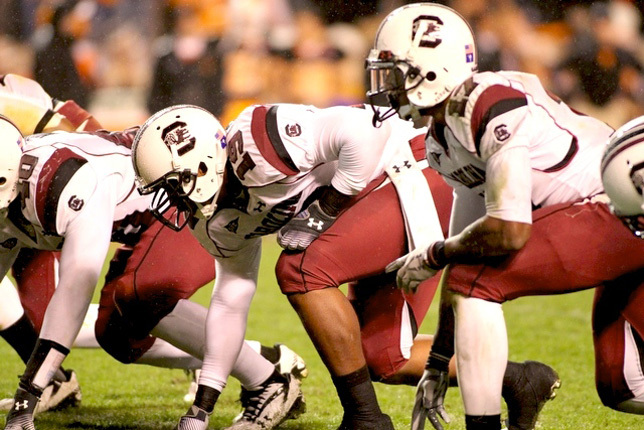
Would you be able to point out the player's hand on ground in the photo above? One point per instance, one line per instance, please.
(412, 269)
(304, 228)
(430, 396)
(21, 414)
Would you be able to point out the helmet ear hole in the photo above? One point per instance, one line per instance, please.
(203, 169)
(430, 76)
(3, 180)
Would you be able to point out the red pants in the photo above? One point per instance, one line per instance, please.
(357, 247)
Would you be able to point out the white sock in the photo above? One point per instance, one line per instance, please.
(184, 327)
(481, 348)
(86, 336)
(10, 307)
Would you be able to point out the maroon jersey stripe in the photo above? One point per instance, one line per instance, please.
(572, 151)
(266, 135)
(494, 101)
(55, 174)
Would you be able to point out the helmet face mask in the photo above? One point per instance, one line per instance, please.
(388, 79)
(425, 50)
(169, 192)
(622, 172)
(179, 154)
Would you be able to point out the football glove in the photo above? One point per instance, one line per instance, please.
(430, 396)
(21, 415)
(304, 228)
(412, 269)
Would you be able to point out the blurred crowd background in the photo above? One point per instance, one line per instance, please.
(124, 59)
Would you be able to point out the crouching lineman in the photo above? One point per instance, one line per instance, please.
(75, 192)
(32, 110)
(294, 167)
(535, 161)
(618, 310)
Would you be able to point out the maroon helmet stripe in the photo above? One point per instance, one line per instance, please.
(55, 174)
(616, 149)
(494, 101)
(266, 135)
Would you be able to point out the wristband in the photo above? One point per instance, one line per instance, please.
(437, 361)
(333, 201)
(435, 257)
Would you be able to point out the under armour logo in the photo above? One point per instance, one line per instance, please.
(259, 207)
(406, 164)
(24, 405)
(315, 224)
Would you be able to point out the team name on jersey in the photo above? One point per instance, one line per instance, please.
(279, 215)
(468, 175)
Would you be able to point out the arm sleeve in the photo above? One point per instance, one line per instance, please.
(346, 134)
(467, 207)
(228, 312)
(87, 240)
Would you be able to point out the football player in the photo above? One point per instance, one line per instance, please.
(529, 166)
(75, 192)
(293, 169)
(33, 110)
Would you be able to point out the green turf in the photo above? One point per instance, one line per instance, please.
(116, 396)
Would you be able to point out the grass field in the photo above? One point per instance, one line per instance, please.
(555, 330)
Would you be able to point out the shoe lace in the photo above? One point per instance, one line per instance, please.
(255, 401)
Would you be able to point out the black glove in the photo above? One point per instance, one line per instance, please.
(304, 228)
(21, 415)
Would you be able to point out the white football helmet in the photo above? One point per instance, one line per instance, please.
(421, 53)
(180, 154)
(622, 171)
(11, 143)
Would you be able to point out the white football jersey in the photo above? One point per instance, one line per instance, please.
(59, 173)
(279, 155)
(518, 145)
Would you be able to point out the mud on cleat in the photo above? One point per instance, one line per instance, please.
(383, 422)
(61, 394)
(536, 384)
(56, 396)
(279, 399)
(195, 419)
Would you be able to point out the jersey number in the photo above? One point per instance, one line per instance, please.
(235, 149)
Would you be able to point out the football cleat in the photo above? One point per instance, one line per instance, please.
(279, 399)
(195, 419)
(56, 396)
(383, 422)
(60, 394)
(290, 362)
(536, 385)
